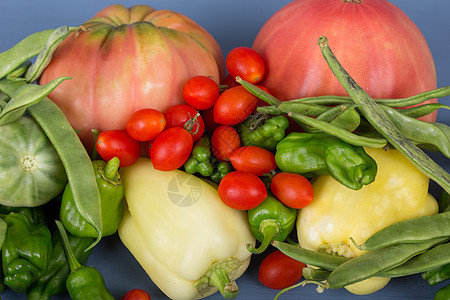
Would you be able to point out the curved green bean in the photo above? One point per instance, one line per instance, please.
(381, 122)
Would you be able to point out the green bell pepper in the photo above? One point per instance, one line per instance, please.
(201, 160)
(443, 293)
(26, 251)
(312, 154)
(111, 192)
(269, 221)
(83, 282)
(255, 131)
(54, 280)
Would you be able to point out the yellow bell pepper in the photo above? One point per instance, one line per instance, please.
(399, 192)
(186, 239)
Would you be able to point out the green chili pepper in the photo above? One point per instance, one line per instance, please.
(26, 251)
(201, 160)
(443, 293)
(221, 169)
(437, 275)
(111, 190)
(322, 154)
(269, 221)
(255, 131)
(54, 280)
(380, 121)
(83, 282)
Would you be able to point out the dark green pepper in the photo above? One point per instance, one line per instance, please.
(269, 221)
(111, 192)
(54, 280)
(26, 251)
(437, 275)
(220, 170)
(37, 215)
(322, 154)
(443, 293)
(255, 131)
(201, 159)
(83, 282)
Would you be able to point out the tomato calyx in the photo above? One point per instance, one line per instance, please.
(192, 123)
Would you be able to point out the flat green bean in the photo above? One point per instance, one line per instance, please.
(414, 230)
(22, 51)
(19, 71)
(381, 122)
(310, 257)
(422, 110)
(376, 262)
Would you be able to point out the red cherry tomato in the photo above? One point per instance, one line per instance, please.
(253, 159)
(224, 140)
(112, 143)
(294, 190)
(136, 294)
(201, 92)
(278, 271)
(187, 117)
(145, 124)
(208, 118)
(171, 149)
(242, 190)
(234, 105)
(245, 63)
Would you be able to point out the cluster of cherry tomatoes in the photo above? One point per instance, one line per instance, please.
(169, 137)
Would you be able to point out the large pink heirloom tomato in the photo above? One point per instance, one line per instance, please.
(381, 48)
(128, 59)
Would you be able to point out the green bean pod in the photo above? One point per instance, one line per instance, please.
(422, 110)
(315, 274)
(22, 51)
(19, 71)
(381, 122)
(311, 257)
(416, 230)
(375, 262)
(313, 110)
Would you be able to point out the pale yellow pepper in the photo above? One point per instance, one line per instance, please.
(181, 233)
(399, 192)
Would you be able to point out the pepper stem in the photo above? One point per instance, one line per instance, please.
(111, 168)
(269, 228)
(221, 280)
(73, 262)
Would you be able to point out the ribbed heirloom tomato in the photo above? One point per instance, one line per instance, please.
(379, 46)
(129, 59)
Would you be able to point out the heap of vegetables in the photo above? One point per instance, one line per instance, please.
(201, 176)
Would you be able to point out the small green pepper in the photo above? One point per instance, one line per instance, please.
(82, 282)
(37, 215)
(25, 252)
(269, 221)
(54, 280)
(437, 275)
(111, 192)
(322, 154)
(220, 170)
(201, 160)
(443, 293)
(265, 135)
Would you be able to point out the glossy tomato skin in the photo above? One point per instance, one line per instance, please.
(246, 63)
(150, 52)
(201, 92)
(145, 124)
(184, 115)
(171, 149)
(294, 190)
(224, 140)
(117, 143)
(234, 105)
(278, 271)
(253, 159)
(136, 294)
(375, 56)
(242, 190)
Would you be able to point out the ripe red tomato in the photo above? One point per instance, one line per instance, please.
(136, 294)
(201, 92)
(187, 117)
(245, 63)
(145, 124)
(294, 190)
(278, 271)
(234, 105)
(253, 159)
(242, 190)
(171, 149)
(117, 143)
(224, 140)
